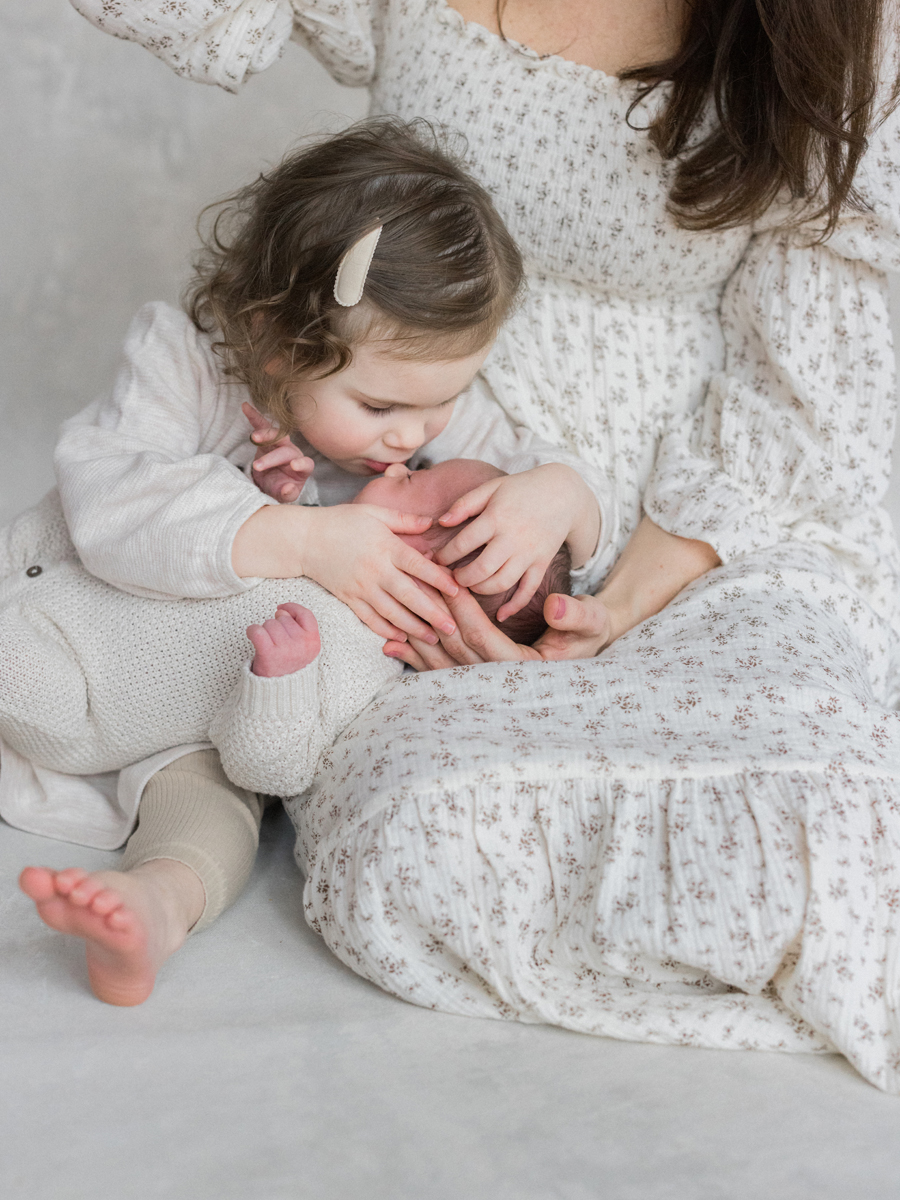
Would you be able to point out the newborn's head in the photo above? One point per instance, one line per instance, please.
(430, 492)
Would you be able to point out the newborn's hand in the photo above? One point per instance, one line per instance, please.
(279, 469)
(286, 644)
(521, 520)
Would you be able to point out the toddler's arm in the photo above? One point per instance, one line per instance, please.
(150, 477)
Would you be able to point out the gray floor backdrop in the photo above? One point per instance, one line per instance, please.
(261, 1067)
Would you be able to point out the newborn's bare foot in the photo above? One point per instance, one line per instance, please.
(130, 921)
(286, 644)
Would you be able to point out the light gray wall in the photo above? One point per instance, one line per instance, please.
(107, 158)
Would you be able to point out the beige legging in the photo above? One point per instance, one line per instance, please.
(192, 812)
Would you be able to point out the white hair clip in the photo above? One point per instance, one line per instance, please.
(354, 267)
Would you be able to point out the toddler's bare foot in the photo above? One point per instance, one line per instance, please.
(286, 644)
(130, 921)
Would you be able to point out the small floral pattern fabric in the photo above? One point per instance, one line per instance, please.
(694, 837)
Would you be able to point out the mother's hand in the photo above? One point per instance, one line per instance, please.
(579, 628)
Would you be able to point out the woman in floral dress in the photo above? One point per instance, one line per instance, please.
(695, 836)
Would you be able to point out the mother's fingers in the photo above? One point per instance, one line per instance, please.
(580, 627)
(477, 638)
(420, 655)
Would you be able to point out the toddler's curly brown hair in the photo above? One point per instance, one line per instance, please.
(445, 274)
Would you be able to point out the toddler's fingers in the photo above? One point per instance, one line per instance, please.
(470, 504)
(399, 610)
(414, 564)
(474, 536)
(528, 585)
(263, 429)
(375, 622)
(287, 457)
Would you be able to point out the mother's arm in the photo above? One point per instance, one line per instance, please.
(794, 439)
(225, 42)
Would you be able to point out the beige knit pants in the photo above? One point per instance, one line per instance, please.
(192, 812)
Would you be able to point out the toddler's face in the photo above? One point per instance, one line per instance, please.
(381, 408)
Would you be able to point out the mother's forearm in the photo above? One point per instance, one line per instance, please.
(652, 569)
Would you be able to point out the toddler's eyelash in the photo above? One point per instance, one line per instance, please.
(383, 412)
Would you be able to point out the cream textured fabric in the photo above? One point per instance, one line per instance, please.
(694, 837)
(93, 679)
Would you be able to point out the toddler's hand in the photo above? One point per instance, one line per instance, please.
(521, 520)
(279, 469)
(353, 551)
(287, 643)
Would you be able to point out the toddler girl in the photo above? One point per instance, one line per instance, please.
(351, 295)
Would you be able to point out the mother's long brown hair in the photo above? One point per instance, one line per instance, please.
(793, 85)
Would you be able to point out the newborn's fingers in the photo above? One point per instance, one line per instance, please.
(259, 639)
(302, 616)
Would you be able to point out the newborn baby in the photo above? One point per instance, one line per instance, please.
(94, 679)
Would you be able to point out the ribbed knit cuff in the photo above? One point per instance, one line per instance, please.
(283, 697)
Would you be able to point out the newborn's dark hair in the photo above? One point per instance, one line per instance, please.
(527, 625)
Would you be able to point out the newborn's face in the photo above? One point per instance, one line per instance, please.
(430, 491)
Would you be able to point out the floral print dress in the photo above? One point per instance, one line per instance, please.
(694, 837)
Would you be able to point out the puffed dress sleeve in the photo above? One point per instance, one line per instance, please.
(794, 437)
(222, 42)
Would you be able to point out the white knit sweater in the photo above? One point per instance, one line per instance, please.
(93, 679)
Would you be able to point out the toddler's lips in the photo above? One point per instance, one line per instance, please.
(378, 467)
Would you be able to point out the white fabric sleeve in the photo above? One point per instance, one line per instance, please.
(479, 428)
(152, 503)
(222, 42)
(271, 732)
(795, 434)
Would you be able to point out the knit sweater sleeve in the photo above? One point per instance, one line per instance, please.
(271, 732)
(223, 42)
(150, 476)
(479, 428)
(794, 437)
